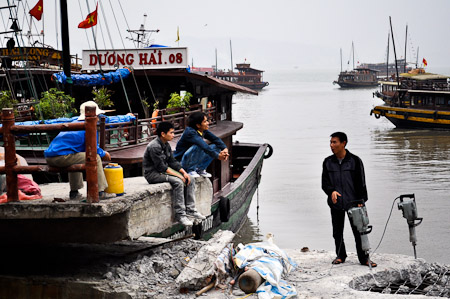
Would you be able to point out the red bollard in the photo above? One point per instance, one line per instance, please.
(91, 154)
(10, 154)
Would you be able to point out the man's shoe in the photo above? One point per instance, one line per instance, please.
(196, 215)
(185, 221)
(194, 174)
(74, 194)
(204, 174)
(102, 195)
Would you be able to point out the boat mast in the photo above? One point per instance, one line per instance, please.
(231, 54)
(406, 44)
(417, 57)
(353, 53)
(216, 60)
(66, 46)
(341, 60)
(395, 53)
(387, 60)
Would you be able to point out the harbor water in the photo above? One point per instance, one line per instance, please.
(296, 114)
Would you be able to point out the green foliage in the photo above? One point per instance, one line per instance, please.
(176, 101)
(55, 103)
(6, 100)
(102, 97)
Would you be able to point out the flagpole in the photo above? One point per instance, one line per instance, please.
(66, 46)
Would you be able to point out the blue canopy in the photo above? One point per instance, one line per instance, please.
(94, 79)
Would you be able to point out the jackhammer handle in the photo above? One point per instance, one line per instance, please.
(420, 221)
(406, 196)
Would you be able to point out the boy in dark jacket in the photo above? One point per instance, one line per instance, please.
(193, 151)
(160, 166)
(344, 182)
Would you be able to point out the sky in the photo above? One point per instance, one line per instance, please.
(283, 34)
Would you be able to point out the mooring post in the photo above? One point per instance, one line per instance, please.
(91, 154)
(10, 154)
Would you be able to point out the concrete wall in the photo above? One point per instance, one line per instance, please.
(144, 209)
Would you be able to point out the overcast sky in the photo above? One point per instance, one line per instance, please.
(279, 34)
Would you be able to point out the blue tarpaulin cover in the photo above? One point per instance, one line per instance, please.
(94, 79)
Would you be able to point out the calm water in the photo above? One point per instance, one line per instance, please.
(296, 114)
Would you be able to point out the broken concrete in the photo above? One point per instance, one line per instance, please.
(137, 269)
(200, 269)
(144, 209)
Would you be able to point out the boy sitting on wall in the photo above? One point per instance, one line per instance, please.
(160, 166)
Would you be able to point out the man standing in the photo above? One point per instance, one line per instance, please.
(192, 150)
(69, 148)
(344, 182)
(160, 166)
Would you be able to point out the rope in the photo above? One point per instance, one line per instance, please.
(85, 31)
(106, 25)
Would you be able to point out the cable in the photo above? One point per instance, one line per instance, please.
(384, 231)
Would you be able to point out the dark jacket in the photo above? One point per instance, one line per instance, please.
(192, 137)
(346, 178)
(158, 157)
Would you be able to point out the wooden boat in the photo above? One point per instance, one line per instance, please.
(358, 77)
(417, 100)
(233, 182)
(245, 76)
(387, 70)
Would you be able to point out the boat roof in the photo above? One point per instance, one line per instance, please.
(428, 91)
(424, 76)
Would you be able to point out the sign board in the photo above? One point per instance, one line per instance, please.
(138, 59)
(40, 55)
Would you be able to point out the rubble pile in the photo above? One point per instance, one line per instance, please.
(153, 274)
(418, 279)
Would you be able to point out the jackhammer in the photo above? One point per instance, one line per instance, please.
(360, 219)
(409, 210)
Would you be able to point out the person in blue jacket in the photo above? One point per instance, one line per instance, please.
(69, 148)
(193, 151)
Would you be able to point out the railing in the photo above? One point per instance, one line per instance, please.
(127, 134)
(11, 169)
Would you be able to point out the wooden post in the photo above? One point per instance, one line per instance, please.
(249, 281)
(10, 154)
(91, 154)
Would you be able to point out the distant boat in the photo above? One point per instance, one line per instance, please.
(388, 69)
(358, 77)
(245, 76)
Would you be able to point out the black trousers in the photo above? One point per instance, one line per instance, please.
(338, 220)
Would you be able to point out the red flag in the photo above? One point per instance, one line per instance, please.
(37, 10)
(91, 20)
(425, 63)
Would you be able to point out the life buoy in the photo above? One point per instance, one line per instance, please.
(224, 209)
(269, 153)
(154, 115)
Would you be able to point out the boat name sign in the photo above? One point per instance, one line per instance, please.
(146, 58)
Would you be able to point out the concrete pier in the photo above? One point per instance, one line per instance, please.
(144, 209)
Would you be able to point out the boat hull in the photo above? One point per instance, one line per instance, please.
(239, 194)
(356, 84)
(410, 118)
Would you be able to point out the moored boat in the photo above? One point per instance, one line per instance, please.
(417, 100)
(358, 77)
(155, 73)
(245, 76)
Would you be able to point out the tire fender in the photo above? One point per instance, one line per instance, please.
(224, 209)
